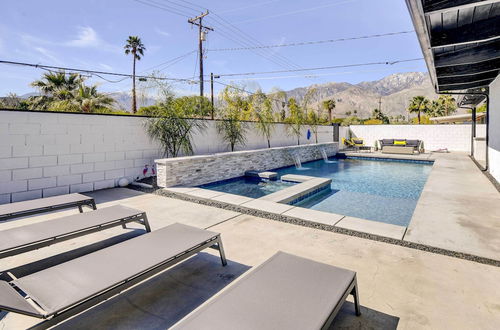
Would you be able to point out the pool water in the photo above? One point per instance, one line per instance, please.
(384, 191)
(249, 187)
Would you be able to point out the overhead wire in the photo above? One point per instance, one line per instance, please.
(306, 43)
(392, 62)
(243, 39)
(91, 72)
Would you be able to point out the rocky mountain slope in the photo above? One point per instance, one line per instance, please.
(394, 93)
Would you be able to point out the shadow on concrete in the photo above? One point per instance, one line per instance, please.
(39, 265)
(163, 300)
(112, 194)
(369, 319)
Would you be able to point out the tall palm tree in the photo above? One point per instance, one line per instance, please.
(135, 47)
(418, 105)
(329, 105)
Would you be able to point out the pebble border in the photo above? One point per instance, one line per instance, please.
(320, 226)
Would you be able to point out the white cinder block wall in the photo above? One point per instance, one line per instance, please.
(47, 154)
(452, 137)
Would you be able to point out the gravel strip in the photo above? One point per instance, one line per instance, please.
(320, 226)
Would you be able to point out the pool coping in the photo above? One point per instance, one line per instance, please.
(288, 217)
(277, 205)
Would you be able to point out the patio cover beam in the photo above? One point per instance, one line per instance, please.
(440, 6)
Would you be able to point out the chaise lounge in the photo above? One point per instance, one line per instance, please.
(285, 292)
(61, 291)
(34, 236)
(42, 205)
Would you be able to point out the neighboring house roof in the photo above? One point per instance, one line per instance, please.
(460, 40)
(464, 118)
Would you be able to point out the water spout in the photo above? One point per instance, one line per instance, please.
(298, 163)
(325, 156)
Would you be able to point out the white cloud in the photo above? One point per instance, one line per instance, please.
(106, 67)
(162, 33)
(87, 37)
(47, 54)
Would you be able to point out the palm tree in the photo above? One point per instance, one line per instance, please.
(58, 85)
(444, 105)
(135, 47)
(87, 99)
(419, 104)
(329, 105)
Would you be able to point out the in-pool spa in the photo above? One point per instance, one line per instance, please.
(249, 187)
(381, 190)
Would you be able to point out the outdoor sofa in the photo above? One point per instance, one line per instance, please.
(285, 292)
(34, 236)
(401, 146)
(64, 290)
(42, 205)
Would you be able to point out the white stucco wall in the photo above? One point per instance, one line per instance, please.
(452, 137)
(494, 130)
(46, 154)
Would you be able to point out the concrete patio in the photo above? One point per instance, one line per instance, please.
(399, 287)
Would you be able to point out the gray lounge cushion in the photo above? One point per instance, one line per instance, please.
(387, 142)
(285, 292)
(412, 143)
(59, 287)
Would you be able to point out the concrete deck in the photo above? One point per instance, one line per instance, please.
(399, 287)
(459, 209)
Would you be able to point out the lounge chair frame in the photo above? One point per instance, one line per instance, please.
(352, 290)
(140, 218)
(238, 291)
(89, 202)
(107, 293)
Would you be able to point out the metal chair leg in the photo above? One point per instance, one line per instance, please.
(354, 293)
(221, 251)
(146, 223)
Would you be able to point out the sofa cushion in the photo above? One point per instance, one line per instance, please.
(412, 143)
(399, 142)
(387, 142)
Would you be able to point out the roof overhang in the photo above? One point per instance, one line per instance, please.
(460, 40)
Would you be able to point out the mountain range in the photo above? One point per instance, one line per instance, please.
(394, 93)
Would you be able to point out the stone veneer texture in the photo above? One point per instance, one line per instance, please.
(197, 170)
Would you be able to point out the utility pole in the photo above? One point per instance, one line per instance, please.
(212, 92)
(380, 104)
(201, 37)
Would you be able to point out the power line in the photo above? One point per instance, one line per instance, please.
(313, 42)
(296, 11)
(169, 62)
(244, 39)
(162, 7)
(323, 67)
(317, 75)
(92, 72)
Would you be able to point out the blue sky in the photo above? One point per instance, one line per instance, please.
(91, 34)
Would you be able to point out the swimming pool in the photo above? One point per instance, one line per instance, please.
(381, 190)
(385, 191)
(249, 187)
